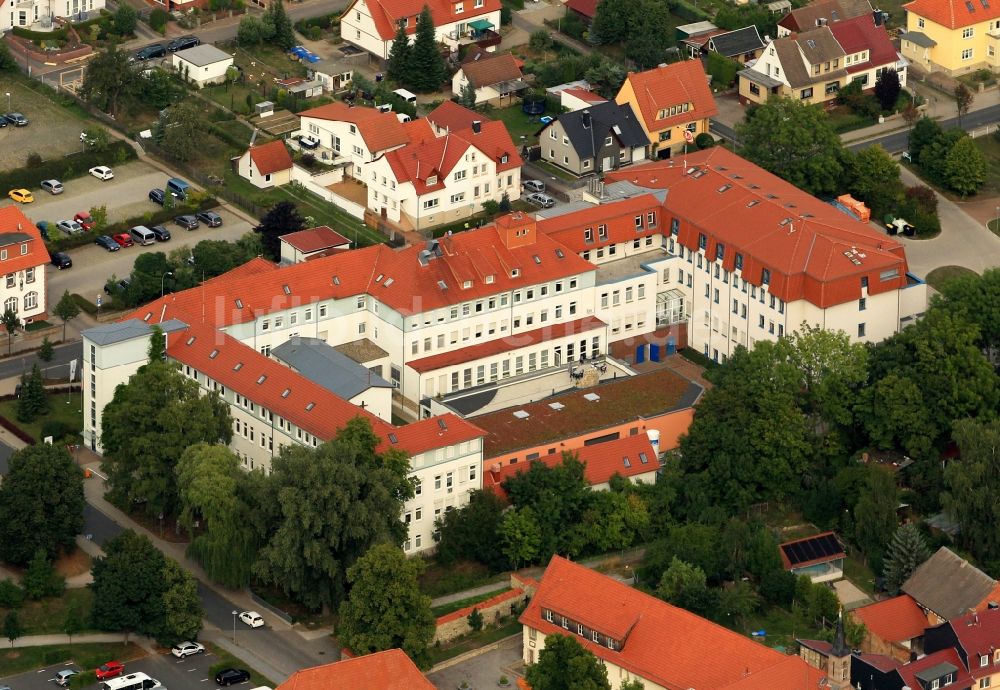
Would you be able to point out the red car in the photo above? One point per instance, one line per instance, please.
(123, 239)
(84, 219)
(112, 669)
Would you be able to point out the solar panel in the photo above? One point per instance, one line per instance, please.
(819, 547)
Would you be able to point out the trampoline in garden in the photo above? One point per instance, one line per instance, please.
(533, 105)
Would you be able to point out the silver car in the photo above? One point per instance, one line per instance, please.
(52, 187)
(539, 199)
(533, 186)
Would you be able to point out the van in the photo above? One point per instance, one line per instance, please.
(406, 96)
(178, 187)
(142, 235)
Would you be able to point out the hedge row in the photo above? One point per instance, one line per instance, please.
(85, 304)
(57, 35)
(66, 168)
(687, 11)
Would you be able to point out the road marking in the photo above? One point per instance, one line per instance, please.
(99, 474)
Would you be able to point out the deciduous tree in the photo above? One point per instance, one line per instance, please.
(564, 664)
(182, 611)
(875, 515)
(520, 536)
(471, 532)
(965, 167)
(963, 100)
(684, 585)
(11, 323)
(41, 503)
(281, 219)
(180, 130)
(907, 552)
(874, 178)
(128, 586)
(125, 19)
(887, 89)
(109, 82)
(12, 628)
(976, 299)
(41, 581)
(385, 607)
(971, 484)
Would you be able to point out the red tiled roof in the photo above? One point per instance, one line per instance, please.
(882, 662)
(12, 224)
(381, 131)
(508, 344)
(860, 33)
(908, 672)
(386, 13)
(271, 157)
(254, 266)
(491, 69)
(388, 670)
(452, 116)
(619, 217)
(979, 634)
(954, 14)
(601, 462)
(899, 619)
(315, 239)
(661, 643)
(515, 593)
(662, 87)
(588, 8)
(584, 95)
(799, 239)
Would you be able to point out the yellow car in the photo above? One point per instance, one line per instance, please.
(21, 195)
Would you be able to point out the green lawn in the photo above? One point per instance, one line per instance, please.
(523, 128)
(227, 660)
(438, 580)
(473, 641)
(84, 656)
(781, 627)
(942, 274)
(859, 573)
(470, 601)
(556, 170)
(49, 615)
(59, 410)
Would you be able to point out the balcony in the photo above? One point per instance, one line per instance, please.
(481, 32)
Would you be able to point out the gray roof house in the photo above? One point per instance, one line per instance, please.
(326, 366)
(742, 44)
(606, 136)
(948, 586)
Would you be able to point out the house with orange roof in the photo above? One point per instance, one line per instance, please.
(388, 670)
(639, 637)
(952, 36)
(452, 117)
(893, 627)
(496, 78)
(372, 24)
(446, 178)
(673, 103)
(975, 637)
(267, 165)
(23, 259)
(305, 244)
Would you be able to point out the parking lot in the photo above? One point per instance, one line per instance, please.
(52, 131)
(175, 674)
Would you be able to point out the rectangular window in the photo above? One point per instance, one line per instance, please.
(966, 55)
(806, 93)
(861, 330)
(967, 32)
(862, 304)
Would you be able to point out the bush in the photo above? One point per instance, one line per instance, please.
(11, 596)
(704, 141)
(723, 70)
(85, 304)
(686, 11)
(57, 35)
(56, 429)
(158, 19)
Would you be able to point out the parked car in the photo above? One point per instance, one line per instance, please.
(188, 222)
(231, 676)
(185, 649)
(155, 50)
(70, 227)
(533, 186)
(183, 43)
(252, 618)
(123, 239)
(16, 119)
(156, 196)
(543, 200)
(308, 141)
(162, 234)
(22, 196)
(62, 260)
(111, 669)
(102, 172)
(52, 186)
(84, 219)
(3, 121)
(107, 243)
(210, 218)
(63, 677)
(121, 285)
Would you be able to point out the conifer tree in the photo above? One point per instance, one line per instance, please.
(907, 552)
(427, 68)
(400, 55)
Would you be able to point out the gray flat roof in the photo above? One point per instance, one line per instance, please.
(329, 368)
(202, 55)
(919, 38)
(120, 331)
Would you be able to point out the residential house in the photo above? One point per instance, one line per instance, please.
(23, 259)
(311, 243)
(604, 137)
(452, 117)
(388, 670)
(821, 557)
(372, 24)
(267, 165)
(741, 45)
(354, 135)
(496, 78)
(947, 586)
(936, 671)
(630, 457)
(976, 639)
(952, 36)
(821, 13)
(202, 65)
(813, 66)
(585, 10)
(45, 12)
(893, 627)
(639, 637)
(446, 178)
(673, 103)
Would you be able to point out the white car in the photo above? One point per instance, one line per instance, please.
(185, 649)
(252, 618)
(102, 172)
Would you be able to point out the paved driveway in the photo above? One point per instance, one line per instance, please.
(485, 670)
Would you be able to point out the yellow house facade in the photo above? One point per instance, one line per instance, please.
(673, 103)
(952, 36)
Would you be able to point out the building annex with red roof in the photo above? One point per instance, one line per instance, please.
(894, 627)
(388, 670)
(637, 636)
(372, 24)
(23, 260)
(267, 165)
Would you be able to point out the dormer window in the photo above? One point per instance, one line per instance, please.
(588, 235)
(515, 272)
(504, 158)
(432, 179)
(489, 279)
(565, 623)
(354, 130)
(984, 659)
(402, 23)
(466, 284)
(548, 616)
(24, 248)
(3, 254)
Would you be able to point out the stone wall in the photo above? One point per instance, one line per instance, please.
(503, 605)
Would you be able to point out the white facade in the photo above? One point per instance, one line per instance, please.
(200, 71)
(345, 141)
(484, 94)
(27, 12)
(247, 169)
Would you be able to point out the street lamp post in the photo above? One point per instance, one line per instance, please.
(234, 627)
(8, 100)
(162, 278)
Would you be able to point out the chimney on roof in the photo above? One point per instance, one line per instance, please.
(477, 126)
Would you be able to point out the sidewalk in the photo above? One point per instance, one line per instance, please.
(45, 640)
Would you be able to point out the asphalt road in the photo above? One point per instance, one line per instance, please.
(58, 366)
